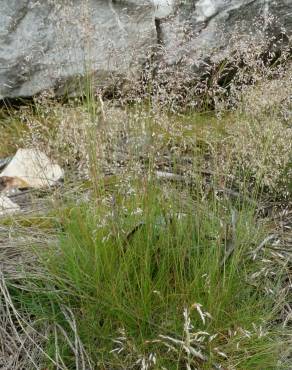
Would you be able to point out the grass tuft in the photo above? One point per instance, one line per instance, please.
(150, 279)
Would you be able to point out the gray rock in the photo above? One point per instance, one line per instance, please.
(206, 29)
(64, 45)
(44, 44)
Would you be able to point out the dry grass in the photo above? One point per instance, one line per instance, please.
(251, 146)
(12, 132)
(148, 187)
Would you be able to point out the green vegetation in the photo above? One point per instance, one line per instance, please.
(135, 267)
(161, 249)
(12, 130)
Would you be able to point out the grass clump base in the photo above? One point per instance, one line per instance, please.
(158, 278)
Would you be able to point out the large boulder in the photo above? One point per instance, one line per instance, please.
(209, 30)
(64, 45)
(50, 43)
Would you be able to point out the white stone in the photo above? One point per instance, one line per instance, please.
(7, 206)
(34, 168)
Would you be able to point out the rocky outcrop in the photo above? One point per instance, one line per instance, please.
(202, 30)
(44, 44)
(57, 44)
